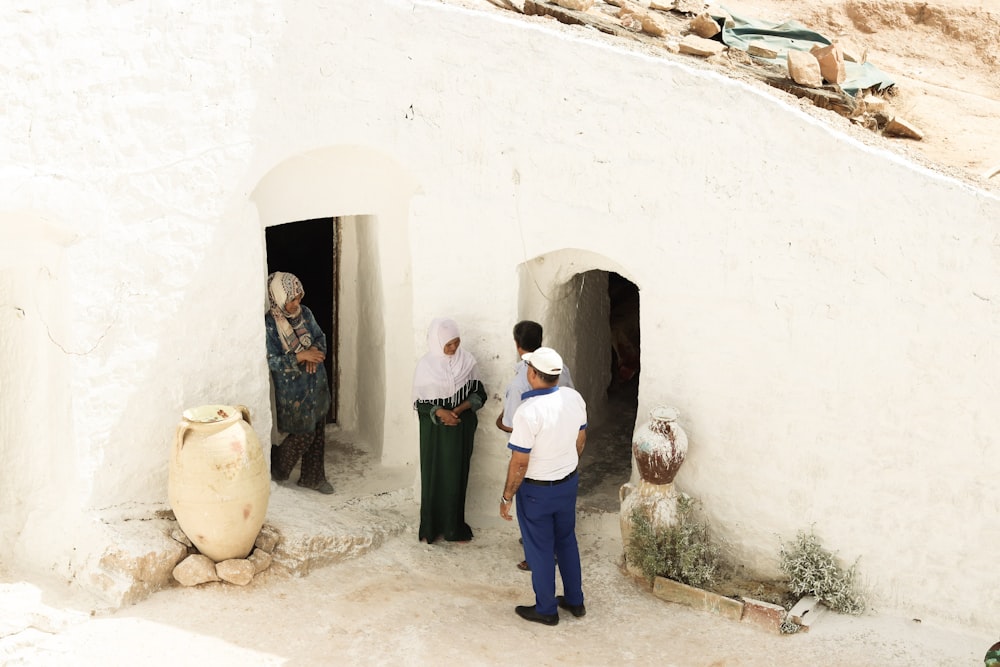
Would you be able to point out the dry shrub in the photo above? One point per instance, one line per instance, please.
(683, 552)
(814, 571)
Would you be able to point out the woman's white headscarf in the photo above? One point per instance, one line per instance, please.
(440, 375)
(281, 288)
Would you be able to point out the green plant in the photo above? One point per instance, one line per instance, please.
(814, 571)
(683, 552)
(789, 627)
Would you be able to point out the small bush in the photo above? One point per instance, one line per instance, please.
(789, 627)
(814, 571)
(683, 552)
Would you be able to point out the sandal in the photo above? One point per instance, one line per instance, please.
(523, 565)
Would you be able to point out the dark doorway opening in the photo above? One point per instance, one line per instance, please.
(623, 321)
(309, 249)
(608, 456)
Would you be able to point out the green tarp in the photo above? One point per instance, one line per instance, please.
(780, 37)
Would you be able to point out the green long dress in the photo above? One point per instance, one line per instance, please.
(445, 455)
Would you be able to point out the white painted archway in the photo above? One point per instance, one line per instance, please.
(371, 195)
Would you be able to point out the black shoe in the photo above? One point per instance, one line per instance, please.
(529, 614)
(577, 610)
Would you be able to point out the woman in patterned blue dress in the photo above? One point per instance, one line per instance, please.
(296, 349)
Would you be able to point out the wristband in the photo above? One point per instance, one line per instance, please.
(505, 501)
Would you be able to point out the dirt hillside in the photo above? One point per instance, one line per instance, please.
(944, 56)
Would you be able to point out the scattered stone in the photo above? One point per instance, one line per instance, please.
(653, 25)
(739, 56)
(899, 127)
(267, 539)
(803, 68)
(666, 5)
(673, 47)
(579, 5)
(704, 25)
(138, 564)
(194, 570)
(763, 614)
(762, 51)
(831, 63)
(631, 22)
(720, 59)
(627, 8)
(261, 560)
(689, 6)
(237, 571)
(179, 535)
(873, 103)
(852, 52)
(807, 611)
(635, 17)
(699, 46)
(881, 119)
(719, 12)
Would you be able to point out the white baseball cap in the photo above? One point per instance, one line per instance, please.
(545, 360)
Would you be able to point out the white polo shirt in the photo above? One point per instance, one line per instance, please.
(520, 386)
(546, 426)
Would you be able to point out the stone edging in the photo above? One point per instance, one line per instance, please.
(761, 614)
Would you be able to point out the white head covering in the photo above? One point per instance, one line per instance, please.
(440, 375)
(281, 288)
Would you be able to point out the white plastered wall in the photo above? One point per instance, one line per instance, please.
(821, 312)
(35, 433)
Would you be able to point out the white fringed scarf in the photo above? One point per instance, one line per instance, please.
(439, 375)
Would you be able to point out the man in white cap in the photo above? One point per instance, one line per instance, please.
(549, 434)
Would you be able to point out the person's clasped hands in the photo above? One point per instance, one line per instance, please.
(448, 417)
(311, 358)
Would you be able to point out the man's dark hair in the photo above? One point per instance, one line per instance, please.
(528, 335)
(547, 378)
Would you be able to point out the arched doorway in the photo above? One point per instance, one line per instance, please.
(350, 207)
(592, 318)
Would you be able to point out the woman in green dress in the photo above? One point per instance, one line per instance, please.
(447, 393)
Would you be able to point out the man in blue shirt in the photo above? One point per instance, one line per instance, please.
(527, 338)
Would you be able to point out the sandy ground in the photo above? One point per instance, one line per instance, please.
(943, 54)
(407, 603)
(413, 604)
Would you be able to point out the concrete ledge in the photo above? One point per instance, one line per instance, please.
(696, 598)
(313, 531)
(138, 563)
(763, 614)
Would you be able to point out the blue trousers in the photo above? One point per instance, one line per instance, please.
(547, 517)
